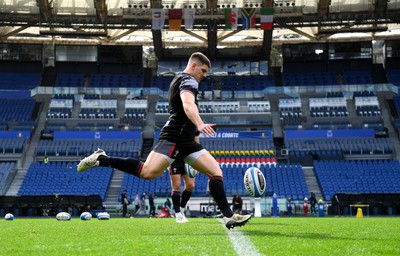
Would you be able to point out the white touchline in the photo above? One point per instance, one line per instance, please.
(241, 243)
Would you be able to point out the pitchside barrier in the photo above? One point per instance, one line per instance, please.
(378, 204)
(47, 205)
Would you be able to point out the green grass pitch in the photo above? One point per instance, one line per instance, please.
(145, 236)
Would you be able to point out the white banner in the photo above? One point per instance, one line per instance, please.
(189, 16)
(158, 19)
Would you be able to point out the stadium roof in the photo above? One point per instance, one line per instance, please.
(128, 22)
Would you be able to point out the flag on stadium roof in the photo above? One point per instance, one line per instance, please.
(175, 19)
(189, 16)
(231, 18)
(158, 19)
(248, 18)
(266, 18)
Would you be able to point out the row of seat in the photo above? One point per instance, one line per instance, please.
(309, 78)
(5, 170)
(19, 81)
(357, 77)
(65, 147)
(116, 80)
(285, 180)
(93, 113)
(243, 153)
(358, 177)
(368, 111)
(16, 109)
(241, 160)
(238, 144)
(62, 178)
(11, 145)
(354, 145)
(58, 113)
(329, 111)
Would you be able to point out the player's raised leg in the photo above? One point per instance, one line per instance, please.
(154, 166)
(206, 164)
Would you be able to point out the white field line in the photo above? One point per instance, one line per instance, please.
(241, 243)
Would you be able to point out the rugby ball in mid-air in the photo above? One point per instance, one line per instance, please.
(103, 216)
(191, 172)
(63, 216)
(86, 216)
(9, 216)
(254, 182)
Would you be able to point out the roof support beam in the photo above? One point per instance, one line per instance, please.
(381, 7)
(45, 7)
(194, 35)
(267, 38)
(14, 32)
(157, 36)
(119, 36)
(212, 30)
(298, 31)
(221, 38)
(323, 8)
(101, 10)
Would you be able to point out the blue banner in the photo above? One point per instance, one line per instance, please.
(88, 135)
(232, 135)
(239, 135)
(341, 133)
(15, 134)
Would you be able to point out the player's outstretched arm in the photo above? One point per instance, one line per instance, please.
(193, 114)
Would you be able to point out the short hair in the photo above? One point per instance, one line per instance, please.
(200, 57)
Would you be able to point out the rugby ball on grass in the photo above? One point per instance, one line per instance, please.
(9, 216)
(254, 182)
(103, 216)
(191, 172)
(63, 216)
(86, 216)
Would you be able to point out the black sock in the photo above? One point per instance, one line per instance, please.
(128, 165)
(176, 198)
(218, 193)
(185, 198)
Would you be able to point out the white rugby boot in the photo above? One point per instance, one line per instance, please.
(90, 161)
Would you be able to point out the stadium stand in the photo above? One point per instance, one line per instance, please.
(19, 81)
(363, 176)
(5, 170)
(75, 147)
(69, 80)
(16, 109)
(61, 178)
(116, 80)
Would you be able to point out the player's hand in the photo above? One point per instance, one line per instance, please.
(207, 129)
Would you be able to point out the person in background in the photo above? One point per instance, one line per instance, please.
(137, 204)
(289, 207)
(305, 206)
(167, 204)
(152, 206)
(237, 203)
(125, 202)
(177, 172)
(143, 206)
(313, 202)
(46, 160)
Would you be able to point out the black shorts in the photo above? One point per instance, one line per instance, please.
(177, 167)
(176, 151)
